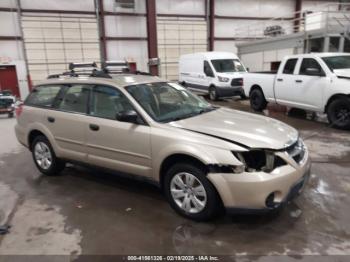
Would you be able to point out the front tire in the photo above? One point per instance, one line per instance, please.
(338, 113)
(190, 193)
(213, 94)
(45, 158)
(257, 100)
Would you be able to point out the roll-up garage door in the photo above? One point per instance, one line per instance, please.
(54, 40)
(176, 37)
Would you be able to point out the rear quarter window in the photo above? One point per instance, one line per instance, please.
(43, 96)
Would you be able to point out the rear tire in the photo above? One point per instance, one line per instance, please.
(257, 100)
(45, 158)
(213, 95)
(338, 113)
(190, 193)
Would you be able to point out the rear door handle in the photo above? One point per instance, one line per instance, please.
(299, 81)
(279, 79)
(94, 127)
(51, 119)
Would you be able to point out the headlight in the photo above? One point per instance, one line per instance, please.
(223, 79)
(259, 160)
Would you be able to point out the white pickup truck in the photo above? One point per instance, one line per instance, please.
(318, 82)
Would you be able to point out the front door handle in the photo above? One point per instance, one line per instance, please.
(279, 79)
(51, 119)
(299, 81)
(94, 127)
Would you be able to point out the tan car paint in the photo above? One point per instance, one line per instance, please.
(141, 149)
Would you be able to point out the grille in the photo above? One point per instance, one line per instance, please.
(297, 151)
(237, 82)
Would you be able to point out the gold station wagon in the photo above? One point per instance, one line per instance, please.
(205, 158)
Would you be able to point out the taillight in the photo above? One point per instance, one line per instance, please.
(19, 110)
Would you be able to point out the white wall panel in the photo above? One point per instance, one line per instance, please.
(9, 24)
(11, 49)
(177, 37)
(131, 50)
(140, 7)
(181, 7)
(227, 46)
(260, 8)
(76, 5)
(126, 26)
(253, 61)
(53, 42)
(8, 3)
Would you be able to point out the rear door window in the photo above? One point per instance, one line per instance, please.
(290, 66)
(75, 99)
(107, 101)
(43, 96)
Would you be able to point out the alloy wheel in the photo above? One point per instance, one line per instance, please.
(188, 192)
(43, 155)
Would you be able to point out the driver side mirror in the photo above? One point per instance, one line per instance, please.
(129, 116)
(313, 71)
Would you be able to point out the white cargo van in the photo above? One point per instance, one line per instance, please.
(216, 73)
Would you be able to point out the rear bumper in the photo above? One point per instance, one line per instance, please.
(229, 91)
(20, 134)
(250, 192)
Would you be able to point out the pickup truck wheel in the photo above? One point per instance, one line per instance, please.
(45, 158)
(190, 193)
(213, 95)
(338, 113)
(257, 100)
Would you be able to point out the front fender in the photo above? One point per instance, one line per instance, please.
(206, 155)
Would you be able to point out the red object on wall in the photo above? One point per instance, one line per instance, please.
(8, 79)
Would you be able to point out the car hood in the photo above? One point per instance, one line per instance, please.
(345, 73)
(242, 128)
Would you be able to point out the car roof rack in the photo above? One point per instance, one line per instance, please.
(90, 69)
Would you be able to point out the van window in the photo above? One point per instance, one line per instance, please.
(75, 99)
(107, 101)
(227, 65)
(207, 69)
(289, 66)
(43, 96)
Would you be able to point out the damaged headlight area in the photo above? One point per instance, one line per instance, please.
(259, 160)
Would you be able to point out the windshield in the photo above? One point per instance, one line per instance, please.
(166, 102)
(337, 62)
(227, 65)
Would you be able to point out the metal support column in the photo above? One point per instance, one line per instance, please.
(100, 13)
(211, 24)
(341, 44)
(152, 36)
(297, 15)
(326, 44)
(24, 51)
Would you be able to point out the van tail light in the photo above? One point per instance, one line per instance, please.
(19, 110)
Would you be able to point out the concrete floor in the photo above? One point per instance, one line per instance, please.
(91, 212)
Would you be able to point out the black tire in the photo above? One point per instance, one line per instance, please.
(213, 205)
(257, 100)
(338, 113)
(243, 96)
(56, 166)
(213, 94)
